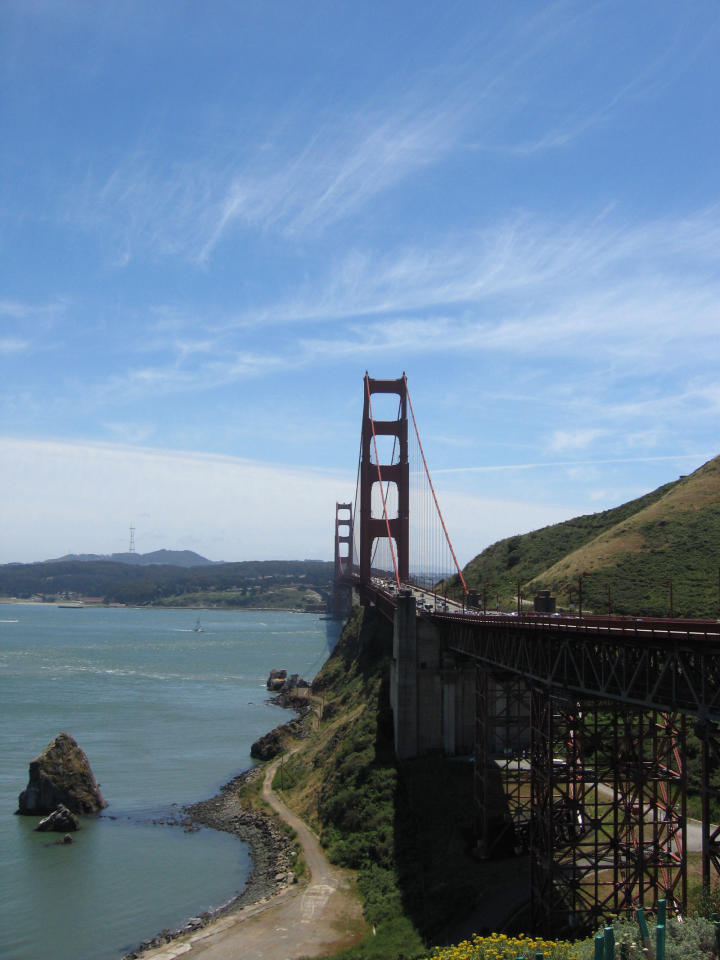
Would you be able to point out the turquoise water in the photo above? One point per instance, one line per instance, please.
(166, 716)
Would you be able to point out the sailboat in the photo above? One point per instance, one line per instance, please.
(198, 628)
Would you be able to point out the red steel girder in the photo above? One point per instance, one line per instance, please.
(608, 819)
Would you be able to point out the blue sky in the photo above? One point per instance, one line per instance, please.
(214, 218)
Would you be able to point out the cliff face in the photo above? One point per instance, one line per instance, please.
(61, 774)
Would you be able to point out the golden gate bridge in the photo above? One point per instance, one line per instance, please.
(577, 725)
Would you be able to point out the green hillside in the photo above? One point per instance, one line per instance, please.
(630, 554)
(289, 584)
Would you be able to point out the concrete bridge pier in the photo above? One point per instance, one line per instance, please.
(432, 692)
(403, 677)
(342, 600)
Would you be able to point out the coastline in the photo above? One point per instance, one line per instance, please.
(270, 852)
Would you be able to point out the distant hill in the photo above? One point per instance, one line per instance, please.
(297, 584)
(172, 558)
(671, 535)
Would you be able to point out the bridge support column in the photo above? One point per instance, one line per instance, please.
(403, 681)
(449, 707)
(707, 733)
(502, 770)
(608, 825)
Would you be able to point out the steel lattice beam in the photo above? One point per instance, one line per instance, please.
(502, 770)
(608, 814)
(651, 671)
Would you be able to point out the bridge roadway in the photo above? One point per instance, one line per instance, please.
(654, 663)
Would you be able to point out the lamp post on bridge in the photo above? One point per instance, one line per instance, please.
(669, 583)
(580, 581)
(607, 587)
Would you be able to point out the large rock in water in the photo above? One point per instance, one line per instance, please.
(61, 775)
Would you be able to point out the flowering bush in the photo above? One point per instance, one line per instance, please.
(691, 939)
(498, 946)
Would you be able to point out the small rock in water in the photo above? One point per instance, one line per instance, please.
(60, 820)
(67, 838)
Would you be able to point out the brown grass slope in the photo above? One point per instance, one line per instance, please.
(631, 554)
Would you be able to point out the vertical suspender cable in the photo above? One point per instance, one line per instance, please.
(432, 488)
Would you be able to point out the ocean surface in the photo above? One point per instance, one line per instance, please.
(166, 716)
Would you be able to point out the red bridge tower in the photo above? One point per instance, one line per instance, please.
(395, 529)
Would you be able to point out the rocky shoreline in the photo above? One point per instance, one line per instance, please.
(271, 850)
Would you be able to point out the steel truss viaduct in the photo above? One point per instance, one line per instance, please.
(583, 719)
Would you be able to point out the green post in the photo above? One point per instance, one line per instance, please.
(661, 911)
(660, 942)
(609, 943)
(644, 932)
(599, 947)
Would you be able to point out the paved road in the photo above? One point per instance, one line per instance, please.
(307, 920)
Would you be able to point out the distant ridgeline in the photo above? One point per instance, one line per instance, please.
(631, 555)
(284, 584)
(174, 558)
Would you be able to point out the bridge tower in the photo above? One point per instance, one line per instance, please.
(342, 589)
(395, 529)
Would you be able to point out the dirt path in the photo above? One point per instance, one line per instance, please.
(309, 919)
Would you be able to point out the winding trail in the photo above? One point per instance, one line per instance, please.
(309, 919)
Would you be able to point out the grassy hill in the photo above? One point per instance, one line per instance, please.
(671, 535)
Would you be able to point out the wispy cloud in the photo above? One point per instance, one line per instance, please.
(564, 464)
(562, 440)
(635, 298)
(315, 168)
(602, 266)
(344, 166)
(13, 345)
(28, 311)
(300, 187)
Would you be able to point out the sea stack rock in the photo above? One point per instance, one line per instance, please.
(61, 774)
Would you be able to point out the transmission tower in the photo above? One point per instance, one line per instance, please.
(132, 540)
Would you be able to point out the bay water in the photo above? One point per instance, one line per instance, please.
(166, 715)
